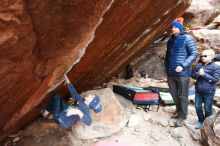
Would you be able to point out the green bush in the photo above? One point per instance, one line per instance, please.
(189, 25)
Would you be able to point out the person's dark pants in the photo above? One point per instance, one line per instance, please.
(56, 105)
(207, 99)
(179, 87)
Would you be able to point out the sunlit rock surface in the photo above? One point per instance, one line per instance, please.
(40, 40)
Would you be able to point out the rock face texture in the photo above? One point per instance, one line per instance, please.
(201, 12)
(207, 39)
(210, 133)
(40, 40)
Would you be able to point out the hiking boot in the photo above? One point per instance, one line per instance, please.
(198, 125)
(175, 115)
(179, 122)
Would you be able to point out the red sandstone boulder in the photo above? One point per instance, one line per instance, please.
(92, 40)
(210, 133)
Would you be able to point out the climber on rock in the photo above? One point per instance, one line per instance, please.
(67, 115)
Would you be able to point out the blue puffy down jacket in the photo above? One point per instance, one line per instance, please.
(207, 82)
(181, 51)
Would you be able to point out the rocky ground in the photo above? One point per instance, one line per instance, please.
(152, 128)
(143, 129)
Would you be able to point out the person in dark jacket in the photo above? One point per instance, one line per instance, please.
(181, 53)
(66, 115)
(207, 74)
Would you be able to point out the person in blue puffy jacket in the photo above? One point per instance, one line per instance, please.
(207, 74)
(181, 53)
(66, 115)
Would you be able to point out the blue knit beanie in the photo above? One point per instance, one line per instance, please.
(96, 105)
(178, 25)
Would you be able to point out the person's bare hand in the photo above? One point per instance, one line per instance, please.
(74, 111)
(67, 81)
(178, 69)
(88, 99)
(71, 112)
(201, 72)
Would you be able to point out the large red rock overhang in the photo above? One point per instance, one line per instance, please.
(92, 40)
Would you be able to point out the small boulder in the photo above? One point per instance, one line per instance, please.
(113, 117)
